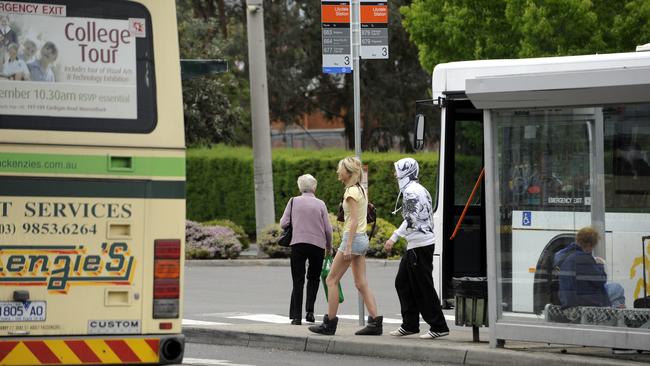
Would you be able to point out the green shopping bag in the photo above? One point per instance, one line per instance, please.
(327, 264)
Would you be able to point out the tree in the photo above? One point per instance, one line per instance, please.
(215, 108)
(467, 30)
(294, 70)
(632, 25)
(389, 88)
(458, 30)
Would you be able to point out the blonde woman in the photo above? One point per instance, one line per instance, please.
(354, 244)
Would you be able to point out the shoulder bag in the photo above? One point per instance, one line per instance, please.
(285, 238)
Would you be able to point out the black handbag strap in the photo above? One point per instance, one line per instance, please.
(290, 209)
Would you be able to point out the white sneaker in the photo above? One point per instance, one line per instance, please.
(433, 335)
(400, 332)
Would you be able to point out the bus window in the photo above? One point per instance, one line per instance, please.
(469, 160)
(542, 158)
(545, 162)
(627, 158)
(84, 68)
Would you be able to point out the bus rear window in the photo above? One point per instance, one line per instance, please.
(76, 66)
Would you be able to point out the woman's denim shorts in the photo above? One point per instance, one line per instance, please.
(360, 243)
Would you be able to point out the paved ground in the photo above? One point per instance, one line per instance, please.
(244, 303)
(455, 349)
(202, 354)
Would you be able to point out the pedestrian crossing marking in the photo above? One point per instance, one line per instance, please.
(266, 318)
(203, 361)
(386, 320)
(201, 322)
(282, 319)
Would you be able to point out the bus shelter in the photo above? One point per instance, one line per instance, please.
(564, 151)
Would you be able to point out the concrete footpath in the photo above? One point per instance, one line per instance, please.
(457, 348)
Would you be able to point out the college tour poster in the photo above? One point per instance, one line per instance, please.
(60, 66)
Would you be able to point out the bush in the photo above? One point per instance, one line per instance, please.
(268, 242)
(213, 194)
(219, 242)
(239, 231)
(196, 254)
(383, 231)
(337, 230)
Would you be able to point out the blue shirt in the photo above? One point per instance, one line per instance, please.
(581, 279)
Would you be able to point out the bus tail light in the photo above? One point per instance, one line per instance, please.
(166, 278)
(166, 268)
(167, 249)
(166, 289)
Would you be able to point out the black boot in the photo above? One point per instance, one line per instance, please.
(374, 327)
(310, 317)
(328, 327)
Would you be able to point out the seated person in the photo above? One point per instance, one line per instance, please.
(582, 277)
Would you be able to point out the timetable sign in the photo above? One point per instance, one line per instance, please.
(336, 37)
(374, 29)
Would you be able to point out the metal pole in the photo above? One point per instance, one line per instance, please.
(262, 169)
(356, 71)
(597, 179)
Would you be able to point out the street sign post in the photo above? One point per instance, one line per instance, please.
(335, 28)
(335, 32)
(374, 29)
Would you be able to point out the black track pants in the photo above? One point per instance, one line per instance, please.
(414, 284)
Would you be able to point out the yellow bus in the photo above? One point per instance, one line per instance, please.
(92, 183)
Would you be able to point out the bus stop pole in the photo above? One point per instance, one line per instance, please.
(356, 71)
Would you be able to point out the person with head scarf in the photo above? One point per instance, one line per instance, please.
(414, 283)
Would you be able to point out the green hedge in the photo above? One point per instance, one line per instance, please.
(268, 240)
(220, 181)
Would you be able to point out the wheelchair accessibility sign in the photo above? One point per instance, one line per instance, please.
(526, 218)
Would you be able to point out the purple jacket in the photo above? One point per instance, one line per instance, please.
(310, 221)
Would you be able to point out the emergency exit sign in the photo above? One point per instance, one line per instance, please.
(374, 29)
(335, 31)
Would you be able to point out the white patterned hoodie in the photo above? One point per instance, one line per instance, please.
(417, 210)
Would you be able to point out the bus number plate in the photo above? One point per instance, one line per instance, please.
(16, 311)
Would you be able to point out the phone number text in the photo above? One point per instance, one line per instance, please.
(50, 229)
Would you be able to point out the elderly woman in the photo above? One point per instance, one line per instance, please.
(312, 235)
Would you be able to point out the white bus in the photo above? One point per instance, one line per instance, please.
(544, 157)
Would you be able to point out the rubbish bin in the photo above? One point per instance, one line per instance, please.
(471, 303)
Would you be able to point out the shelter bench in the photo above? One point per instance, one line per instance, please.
(594, 315)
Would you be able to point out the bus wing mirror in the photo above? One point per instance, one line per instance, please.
(418, 138)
